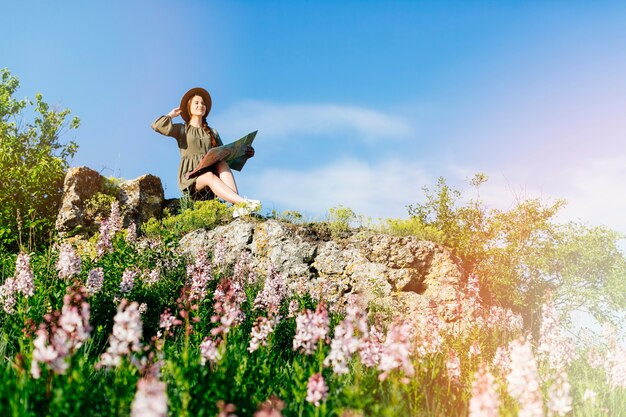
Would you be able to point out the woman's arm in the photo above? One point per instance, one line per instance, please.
(164, 124)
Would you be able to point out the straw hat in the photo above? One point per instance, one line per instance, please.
(188, 95)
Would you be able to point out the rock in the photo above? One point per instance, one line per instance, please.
(80, 185)
(140, 199)
(393, 275)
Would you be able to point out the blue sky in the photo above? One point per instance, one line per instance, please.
(358, 104)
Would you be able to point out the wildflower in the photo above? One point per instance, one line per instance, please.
(260, 332)
(501, 360)
(126, 336)
(559, 397)
(271, 408)
(150, 399)
(143, 307)
(293, 308)
(242, 267)
(453, 366)
(316, 389)
(523, 379)
(428, 338)
(199, 274)
(371, 347)
(68, 263)
(396, 351)
(226, 410)
(311, 327)
(115, 219)
(7, 295)
(151, 277)
(167, 321)
(474, 350)
(24, 278)
(219, 253)
(273, 292)
(209, 351)
(131, 233)
(104, 240)
(95, 279)
(227, 308)
(485, 400)
(344, 342)
(504, 319)
(590, 395)
(553, 348)
(128, 281)
(63, 334)
(615, 366)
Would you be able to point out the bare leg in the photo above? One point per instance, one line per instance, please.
(226, 175)
(223, 191)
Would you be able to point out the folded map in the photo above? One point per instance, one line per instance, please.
(234, 154)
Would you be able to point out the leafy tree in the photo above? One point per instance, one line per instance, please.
(33, 162)
(521, 253)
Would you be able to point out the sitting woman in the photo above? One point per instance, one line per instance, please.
(195, 138)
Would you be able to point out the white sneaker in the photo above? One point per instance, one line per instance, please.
(246, 207)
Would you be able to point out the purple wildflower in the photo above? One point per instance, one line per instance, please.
(485, 401)
(199, 274)
(260, 332)
(131, 233)
(273, 292)
(68, 263)
(396, 351)
(95, 279)
(128, 281)
(126, 336)
(24, 277)
(209, 351)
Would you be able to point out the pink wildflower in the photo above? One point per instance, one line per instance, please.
(115, 219)
(128, 281)
(615, 366)
(64, 333)
(523, 379)
(104, 240)
(311, 327)
(167, 320)
(273, 292)
(131, 233)
(271, 408)
(151, 277)
(226, 410)
(590, 395)
(345, 343)
(209, 351)
(69, 262)
(428, 338)
(559, 397)
(396, 351)
(24, 277)
(371, 347)
(227, 308)
(219, 253)
(474, 350)
(150, 399)
(485, 401)
(502, 360)
(453, 366)
(95, 279)
(554, 348)
(263, 327)
(316, 389)
(293, 309)
(8, 299)
(126, 336)
(199, 273)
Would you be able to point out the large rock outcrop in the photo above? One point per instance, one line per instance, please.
(140, 199)
(394, 275)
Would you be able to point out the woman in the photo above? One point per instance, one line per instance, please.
(195, 138)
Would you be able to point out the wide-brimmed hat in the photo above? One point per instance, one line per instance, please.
(198, 91)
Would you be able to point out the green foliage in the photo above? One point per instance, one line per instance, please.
(522, 252)
(340, 218)
(413, 226)
(33, 161)
(205, 214)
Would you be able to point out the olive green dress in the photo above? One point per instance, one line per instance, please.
(193, 143)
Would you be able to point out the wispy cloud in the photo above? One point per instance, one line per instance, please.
(381, 189)
(288, 120)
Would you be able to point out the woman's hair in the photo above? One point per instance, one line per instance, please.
(205, 126)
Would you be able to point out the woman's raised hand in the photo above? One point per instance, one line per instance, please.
(175, 112)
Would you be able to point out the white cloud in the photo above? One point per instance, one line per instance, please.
(289, 120)
(381, 189)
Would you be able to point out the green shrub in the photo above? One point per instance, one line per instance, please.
(205, 214)
(33, 162)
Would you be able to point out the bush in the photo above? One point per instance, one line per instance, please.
(33, 162)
